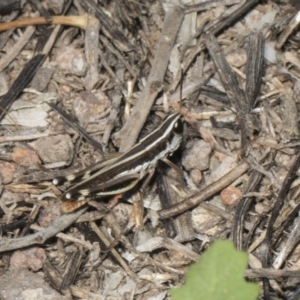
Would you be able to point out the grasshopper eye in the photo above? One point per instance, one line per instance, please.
(178, 127)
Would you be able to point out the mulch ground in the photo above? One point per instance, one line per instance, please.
(81, 82)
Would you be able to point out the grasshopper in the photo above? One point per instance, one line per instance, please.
(118, 175)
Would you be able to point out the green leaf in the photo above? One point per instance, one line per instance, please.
(218, 275)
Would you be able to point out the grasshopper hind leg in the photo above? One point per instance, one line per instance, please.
(70, 206)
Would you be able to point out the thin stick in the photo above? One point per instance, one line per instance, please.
(20, 83)
(114, 252)
(15, 50)
(40, 237)
(77, 21)
(91, 52)
(205, 193)
(288, 30)
(155, 81)
(66, 237)
(271, 273)
(18, 138)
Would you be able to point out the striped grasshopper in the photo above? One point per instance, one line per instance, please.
(118, 175)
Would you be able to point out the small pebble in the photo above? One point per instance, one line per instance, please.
(24, 285)
(41, 79)
(49, 214)
(71, 61)
(196, 155)
(237, 58)
(196, 176)
(230, 195)
(7, 171)
(91, 106)
(26, 157)
(32, 258)
(54, 149)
